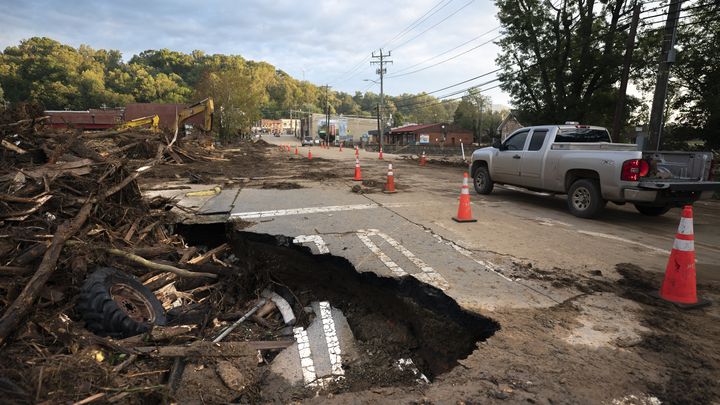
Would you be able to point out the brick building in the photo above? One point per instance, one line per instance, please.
(429, 134)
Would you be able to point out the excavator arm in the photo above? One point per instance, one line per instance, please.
(205, 107)
(152, 121)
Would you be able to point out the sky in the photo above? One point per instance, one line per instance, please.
(322, 41)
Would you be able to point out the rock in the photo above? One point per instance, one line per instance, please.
(230, 375)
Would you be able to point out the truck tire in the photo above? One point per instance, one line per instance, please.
(115, 304)
(584, 198)
(652, 210)
(482, 182)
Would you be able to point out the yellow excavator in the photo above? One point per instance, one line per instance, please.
(152, 121)
(205, 107)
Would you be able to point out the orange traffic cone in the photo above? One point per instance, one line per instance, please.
(390, 185)
(357, 151)
(296, 151)
(309, 155)
(358, 174)
(679, 285)
(380, 155)
(464, 213)
(423, 161)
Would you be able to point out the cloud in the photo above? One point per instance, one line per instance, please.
(321, 39)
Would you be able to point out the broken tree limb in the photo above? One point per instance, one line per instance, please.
(208, 255)
(158, 333)
(158, 266)
(16, 149)
(23, 303)
(215, 349)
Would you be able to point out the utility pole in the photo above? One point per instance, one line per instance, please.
(629, 49)
(667, 58)
(381, 71)
(327, 113)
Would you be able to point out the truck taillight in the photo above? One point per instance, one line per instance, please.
(633, 169)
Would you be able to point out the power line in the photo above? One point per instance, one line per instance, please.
(433, 26)
(449, 50)
(453, 85)
(447, 95)
(417, 22)
(364, 60)
(448, 59)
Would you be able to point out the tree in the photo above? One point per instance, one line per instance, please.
(560, 61)
(236, 98)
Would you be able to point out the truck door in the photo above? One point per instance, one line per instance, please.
(506, 164)
(532, 159)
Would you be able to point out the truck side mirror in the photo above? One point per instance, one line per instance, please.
(496, 144)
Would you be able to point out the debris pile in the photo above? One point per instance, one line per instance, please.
(82, 252)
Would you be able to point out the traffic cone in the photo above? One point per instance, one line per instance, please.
(340, 147)
(358, 173)
(464, 213)
(309, 155)
(423, 161)
(380, 155)
(390, 184)
(357, 152)
(679, 285)
(296, 150)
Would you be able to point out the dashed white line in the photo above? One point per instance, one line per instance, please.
(428, 275)
(316, 239)
(306, 362)
(394, 268)
(333, 344)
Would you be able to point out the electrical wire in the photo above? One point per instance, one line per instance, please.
(448, 51)
(448, 59)
(433, 26)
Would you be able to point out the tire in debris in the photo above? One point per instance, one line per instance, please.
(115, 304)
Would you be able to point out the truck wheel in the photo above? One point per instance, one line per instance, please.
(584, 199)
(116, 304)
(482, 181)
(652, 210)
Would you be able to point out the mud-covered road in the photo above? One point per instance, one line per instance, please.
(573, 298)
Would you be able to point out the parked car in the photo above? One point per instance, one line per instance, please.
(307, 141)
(582, 162)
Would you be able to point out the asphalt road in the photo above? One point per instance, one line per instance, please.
(516, 225)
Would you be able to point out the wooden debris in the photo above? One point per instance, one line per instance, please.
(158, 266)
(209, 254)
(220, 349)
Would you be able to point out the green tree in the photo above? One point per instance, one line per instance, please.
(560, 60)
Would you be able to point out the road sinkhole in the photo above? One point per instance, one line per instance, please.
(385, 331)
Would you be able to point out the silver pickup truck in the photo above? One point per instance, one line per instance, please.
(582, 162)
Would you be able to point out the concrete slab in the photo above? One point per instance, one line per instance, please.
(219, 204)
(381, 240)
(319, 351)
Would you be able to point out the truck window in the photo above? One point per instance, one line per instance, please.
(517, 141)
(582, 135)
(538, 139)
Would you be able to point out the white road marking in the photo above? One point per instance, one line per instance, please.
(316, 239)
(487, 265)
(333, 344)
(306, 362)
(428, 275)
(394, 268)
(632, 242)
(310, 210)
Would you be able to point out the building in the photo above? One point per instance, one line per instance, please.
(166, 112)
(90, 119)
(268, 126)
(346, 129)
(508, 125)
(429, 134)
(290, 126)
